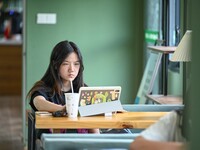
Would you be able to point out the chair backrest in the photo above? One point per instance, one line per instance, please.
(31, 131)
(86, 141)
(148, 78)
(151, 107)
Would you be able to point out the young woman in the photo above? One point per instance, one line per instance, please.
(65, 65)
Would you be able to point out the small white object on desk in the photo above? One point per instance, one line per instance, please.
(43, 113)
(108, 114)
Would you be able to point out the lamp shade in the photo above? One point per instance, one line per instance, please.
(183, 50)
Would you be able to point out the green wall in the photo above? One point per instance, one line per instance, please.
(111, 30)
(195, 75)
(108, 32)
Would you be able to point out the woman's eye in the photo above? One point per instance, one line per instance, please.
(65, 63)
(76, 64)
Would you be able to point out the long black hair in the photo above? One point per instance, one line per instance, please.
(51, 81)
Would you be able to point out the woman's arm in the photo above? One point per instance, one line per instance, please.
(141, 143)
(44, 105)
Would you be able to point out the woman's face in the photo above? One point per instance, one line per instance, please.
(70, 67)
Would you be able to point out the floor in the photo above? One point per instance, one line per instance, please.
(11, 123)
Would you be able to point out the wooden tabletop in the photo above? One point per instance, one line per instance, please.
(163, 49)
(136, 120)
(168, 99)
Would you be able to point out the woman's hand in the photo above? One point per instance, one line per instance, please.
(141, 143)
(64, 108)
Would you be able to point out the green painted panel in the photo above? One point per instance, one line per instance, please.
(151, 36)
(104, 31)
(193, 100)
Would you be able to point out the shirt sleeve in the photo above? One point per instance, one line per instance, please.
(163, 130)
(36, 93)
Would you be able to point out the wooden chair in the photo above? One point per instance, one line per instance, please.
(31, 131)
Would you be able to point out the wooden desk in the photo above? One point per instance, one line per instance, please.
(136, 120)
(169, 99)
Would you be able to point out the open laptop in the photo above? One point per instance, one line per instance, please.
(99, 100)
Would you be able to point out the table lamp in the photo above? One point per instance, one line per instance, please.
(183, 54)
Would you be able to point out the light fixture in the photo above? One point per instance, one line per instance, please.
(183, 54)
(183, 50)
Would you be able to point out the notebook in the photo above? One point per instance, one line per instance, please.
(99, 100)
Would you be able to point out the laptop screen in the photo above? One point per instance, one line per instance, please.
(96, 95)
(99, 100)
